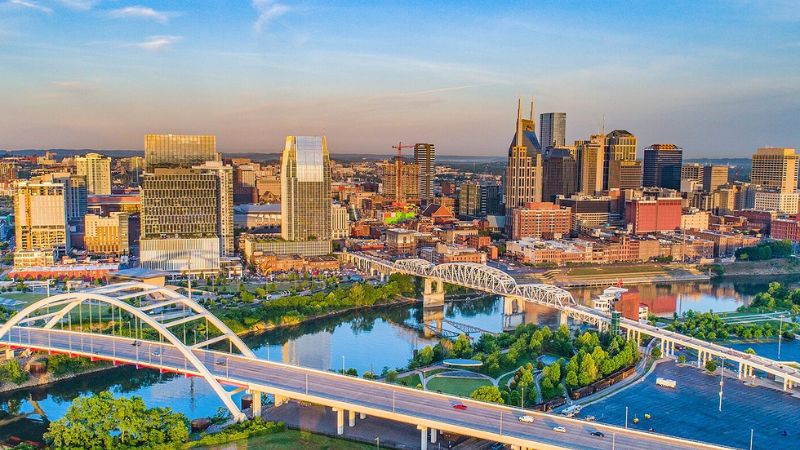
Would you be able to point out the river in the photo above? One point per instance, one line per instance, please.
(364, 340)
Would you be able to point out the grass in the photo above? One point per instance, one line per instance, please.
(411, 380)
(457, 386)
(616, 270)
(290, 440)
(25, 297)
(503, 381)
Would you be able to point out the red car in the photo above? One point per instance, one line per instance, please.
(460, 406)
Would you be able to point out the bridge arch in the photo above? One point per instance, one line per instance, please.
(164, 297)
(474, 275)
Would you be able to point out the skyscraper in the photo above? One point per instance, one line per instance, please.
(224, 176)
(624, 174)
(477, 200)
(425, 156)
(560, 174)
(170, 150)
(714, 176)
(97, 170)
(306, 189)
(591, 156)
(775, 168)
(620, 145)
(180, 220)
(400, 180)
(662, 166)
(553, 129)
(524, 172)
(40, 218)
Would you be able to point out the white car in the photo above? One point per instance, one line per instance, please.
(526, 419)
(560, 429)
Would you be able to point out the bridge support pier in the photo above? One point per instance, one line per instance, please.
(434, 433)
(280, 400)
(339, 421)
(362, 416)
(423, 443)
(255, 405)
(351, 418)
(433, 293)
(563, 318)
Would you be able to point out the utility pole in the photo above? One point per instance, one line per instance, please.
(721, 382)
(780, 337)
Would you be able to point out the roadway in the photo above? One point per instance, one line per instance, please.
(482, 420)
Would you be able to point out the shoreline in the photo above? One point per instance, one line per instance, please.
(44, 380)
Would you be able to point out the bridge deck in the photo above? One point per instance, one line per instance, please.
(480, 420)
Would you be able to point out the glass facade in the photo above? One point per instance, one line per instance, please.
(306, 189)
(173, 150)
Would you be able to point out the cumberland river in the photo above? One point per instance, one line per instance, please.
(364, 340)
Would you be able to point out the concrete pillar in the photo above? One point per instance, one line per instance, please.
(739, 372)
(255, 406)
(280, 400)
(352, 418)
(9, 353)
(563, 318)
(432, 296)
(423, 443)
(362, 416)
(434, 433)
(339, 421)
(663, 348)
(672, 351)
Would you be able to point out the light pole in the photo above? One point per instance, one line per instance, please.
(342, 364)
(626, 417)
(721, 382)
(378, 442)
(751, 439)
(780, 336)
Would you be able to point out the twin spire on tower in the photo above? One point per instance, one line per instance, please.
(521, 125)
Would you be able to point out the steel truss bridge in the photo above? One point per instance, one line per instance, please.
(483, 278)
(93, 323)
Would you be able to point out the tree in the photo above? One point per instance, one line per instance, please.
(462, 347)
(656, 353)
(711, 365)
(682, 359)
(750, 351)
(490, 394)
(103, 422)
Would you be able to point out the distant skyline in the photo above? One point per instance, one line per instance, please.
(719, 79)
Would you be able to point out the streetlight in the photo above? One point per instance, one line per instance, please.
(721, 382)
(626, 417)
(378, 442)
(780, 333)
(751, 439)
(342, 364)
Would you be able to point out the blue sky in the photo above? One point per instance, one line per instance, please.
(719, 78)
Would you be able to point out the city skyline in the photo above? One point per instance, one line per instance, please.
(253, 72)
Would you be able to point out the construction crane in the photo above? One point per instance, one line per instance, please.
(398, 172)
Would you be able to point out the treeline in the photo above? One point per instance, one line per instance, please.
(765, 250)
(710, 327)
(775, 298)
(293, 309)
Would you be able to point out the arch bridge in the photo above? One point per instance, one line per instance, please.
(142, 313)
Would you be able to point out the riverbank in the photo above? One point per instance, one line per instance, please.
(48, 379)
(772, 267)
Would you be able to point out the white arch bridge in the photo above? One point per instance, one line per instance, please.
(156, 327)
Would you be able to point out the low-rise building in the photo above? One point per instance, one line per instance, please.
(726, 244)
(541, 220)
(400, 241)
(444, 253)
(106, 235)
(785, 229)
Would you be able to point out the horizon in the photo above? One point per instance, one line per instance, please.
(707, 77)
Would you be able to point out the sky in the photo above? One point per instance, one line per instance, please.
(718, 78)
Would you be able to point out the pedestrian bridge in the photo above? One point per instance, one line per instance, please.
(124, 323)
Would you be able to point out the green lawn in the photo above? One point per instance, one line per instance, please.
(290, 440)
(411, 381)
(503, 381)
(457, 386)
(616, 270)
(26, 297)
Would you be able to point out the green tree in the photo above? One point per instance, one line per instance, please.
(490, 394)
(103, 422)
(711, 365)
(656, 353)
(682, 359)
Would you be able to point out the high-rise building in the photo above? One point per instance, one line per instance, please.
(624, 174)
(170, 150)
(107, 235)
(714, 177)
(40, 217)
(775, 168)
(692, 171)
(400, 180)
(8, 171)
(553, 129)
(180, 220)
(97, 170)
(477, 200)
(559, 174)
(306, 189)
(620, 145)
(591, 154)
(224, 176)
(524, 172)
(662, 166)
(340, 222)
(541, 220)
(75, 194)
(425, 156)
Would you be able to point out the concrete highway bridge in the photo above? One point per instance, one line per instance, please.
(92, 324)
(488, 279)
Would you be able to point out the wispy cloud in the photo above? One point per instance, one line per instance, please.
(30, 4)
(80, 5)
(268, 10)
(140, 12)
(157, 43)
